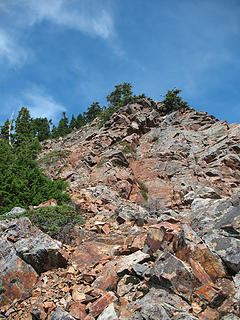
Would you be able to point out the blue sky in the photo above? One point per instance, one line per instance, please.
(61, 55)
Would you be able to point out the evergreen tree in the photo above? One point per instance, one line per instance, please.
(80, 121)
(41, 128)
(93, 111)
(24, 131)
(54, 133)
(73, 123)
(173, 101)
(6, 131)
(63, 129)
(121, 96)
(22, 180)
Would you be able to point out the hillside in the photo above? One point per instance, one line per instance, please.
(178, 157)
(160, 195)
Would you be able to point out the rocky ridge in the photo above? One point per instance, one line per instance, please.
(160, 196)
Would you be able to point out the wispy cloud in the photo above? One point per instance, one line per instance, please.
(11, 51)
(41, 104)
(89, 17)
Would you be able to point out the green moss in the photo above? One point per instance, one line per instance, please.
(51, 219)
(143, 189)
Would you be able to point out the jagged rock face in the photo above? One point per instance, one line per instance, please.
(176, 256)
(178, 157)
(165, 268)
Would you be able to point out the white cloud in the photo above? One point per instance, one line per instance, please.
(88, 17)
(36, 100)
(91, 19)
(41, 104)
(11, 51)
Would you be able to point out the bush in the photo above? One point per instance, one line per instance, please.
(101, 162)
(51, 219)
(127, 148)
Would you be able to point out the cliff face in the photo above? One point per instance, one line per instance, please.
(160, 197)
(178, 157)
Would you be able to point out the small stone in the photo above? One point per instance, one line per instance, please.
(108, 313)
(100, 304)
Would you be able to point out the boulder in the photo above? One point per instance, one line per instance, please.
(228, 248)
(41, 252)
(158, 304)
(17, 277)
(174, 274)
(16, 211)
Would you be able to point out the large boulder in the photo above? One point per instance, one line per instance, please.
(25, 252)
(17, 277)
(41, 252)
(174, 274)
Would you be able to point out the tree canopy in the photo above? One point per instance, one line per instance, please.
(22, 180)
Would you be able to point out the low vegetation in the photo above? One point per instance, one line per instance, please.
(51, 219)
(127, 148)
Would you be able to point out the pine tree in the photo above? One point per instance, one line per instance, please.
(121, 96)
(80, 121)
(22, 180)
(54, 133)
(63, 129)
(6, 131)
(41, 127)
(93, 111)
(173, 101)
(24, 131)
(73, 123)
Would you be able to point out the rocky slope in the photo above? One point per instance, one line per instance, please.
(160, 196)
(178, 157)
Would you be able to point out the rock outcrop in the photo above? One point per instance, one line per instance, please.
(160, 197)
(178, 157)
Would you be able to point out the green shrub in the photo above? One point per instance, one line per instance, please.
(51, 219)
(143, 189)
